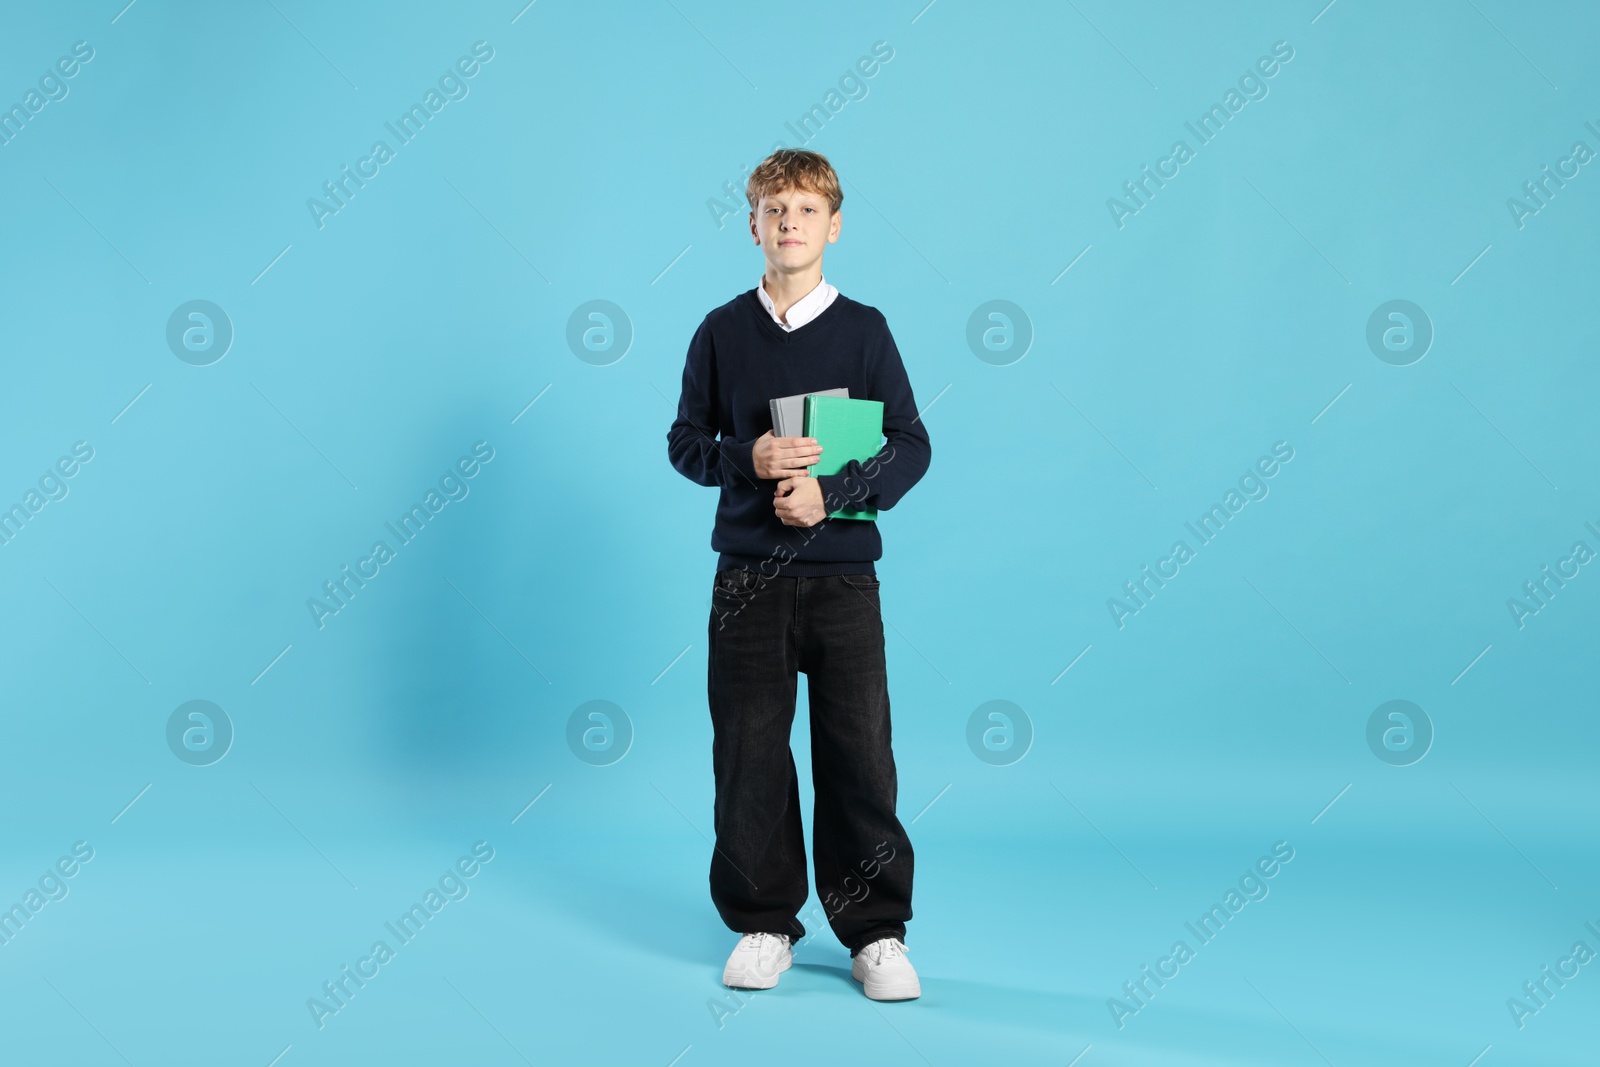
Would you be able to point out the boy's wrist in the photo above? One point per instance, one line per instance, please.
(836, 490)
(741, 454)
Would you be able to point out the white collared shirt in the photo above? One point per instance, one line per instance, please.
(805, 309)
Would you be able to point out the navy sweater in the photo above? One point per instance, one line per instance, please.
(738, 360)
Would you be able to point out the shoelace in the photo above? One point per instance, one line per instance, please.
(758, 942)
(887, 948)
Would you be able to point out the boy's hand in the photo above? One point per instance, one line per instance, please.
(798, 501)
(784, 457)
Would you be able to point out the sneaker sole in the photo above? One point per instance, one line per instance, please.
(744, 980)
(879, 991)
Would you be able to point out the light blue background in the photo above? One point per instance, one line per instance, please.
(1228, 314)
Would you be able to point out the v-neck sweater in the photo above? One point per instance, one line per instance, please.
(739, 359)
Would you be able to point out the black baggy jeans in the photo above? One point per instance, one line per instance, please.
(762, 631)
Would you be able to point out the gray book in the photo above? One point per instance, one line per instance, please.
(789, 412)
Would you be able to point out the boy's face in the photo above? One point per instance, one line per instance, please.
(792, 226)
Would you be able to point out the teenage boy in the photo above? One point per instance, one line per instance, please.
(797, 591)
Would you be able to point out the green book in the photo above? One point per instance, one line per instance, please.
(846, 429)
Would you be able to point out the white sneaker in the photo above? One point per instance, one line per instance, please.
(884, 972)
(757, 960)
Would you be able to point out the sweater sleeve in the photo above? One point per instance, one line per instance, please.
(881, 481)
(693, 444)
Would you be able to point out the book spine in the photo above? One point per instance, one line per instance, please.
(807, 423)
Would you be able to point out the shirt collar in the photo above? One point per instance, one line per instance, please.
(804, 310)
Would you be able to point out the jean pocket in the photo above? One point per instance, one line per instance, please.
(734, 581)
(860, 581)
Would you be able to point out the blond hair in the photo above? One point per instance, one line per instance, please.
(794, 168)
